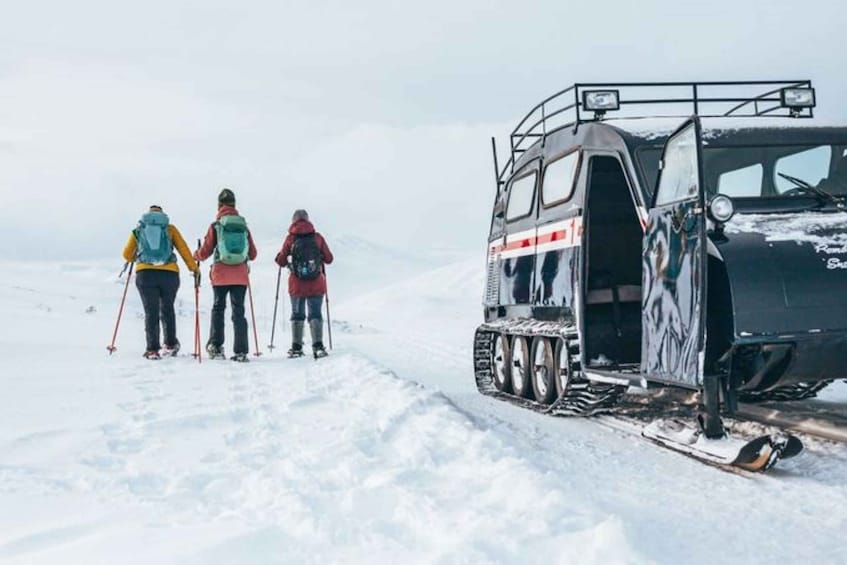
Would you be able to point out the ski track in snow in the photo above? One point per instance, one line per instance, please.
(383, 452)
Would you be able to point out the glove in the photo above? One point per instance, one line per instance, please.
(197, 278)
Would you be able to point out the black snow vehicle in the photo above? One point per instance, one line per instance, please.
(707, 251)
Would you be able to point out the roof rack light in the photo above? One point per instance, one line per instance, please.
(797, 99)
(601, 101)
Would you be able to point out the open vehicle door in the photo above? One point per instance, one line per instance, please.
(674, 264)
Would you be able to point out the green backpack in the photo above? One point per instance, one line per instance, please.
(232, 245)
(153, 242)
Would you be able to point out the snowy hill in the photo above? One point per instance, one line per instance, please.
(382, 453)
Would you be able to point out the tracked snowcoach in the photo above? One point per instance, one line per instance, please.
(706, 252)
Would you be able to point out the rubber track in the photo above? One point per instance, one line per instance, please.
(582, 397)
(799, 391)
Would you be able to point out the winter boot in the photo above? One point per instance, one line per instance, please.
(171, 350)
(240, 357)
(297, 327)
(152, 355)
(215, 352)
(316, 327)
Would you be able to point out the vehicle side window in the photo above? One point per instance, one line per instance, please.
(811, 165)
(521, 197)
(558, 180)
(746, 181)
(678, 178)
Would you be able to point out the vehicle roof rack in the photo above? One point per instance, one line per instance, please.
(747, 99)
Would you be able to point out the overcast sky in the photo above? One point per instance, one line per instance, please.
(375, 116)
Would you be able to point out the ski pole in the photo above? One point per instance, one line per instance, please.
(253, 315)
(197, 348)
(197, 323)
(276, 304)
(111, 348)
(328, 318)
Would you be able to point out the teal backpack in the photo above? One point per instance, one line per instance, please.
(153, 242)
(232, 244)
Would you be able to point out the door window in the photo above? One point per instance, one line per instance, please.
(521, 197)
(558, 181)
(678, 179)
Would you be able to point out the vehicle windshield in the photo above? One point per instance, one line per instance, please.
(765, 170)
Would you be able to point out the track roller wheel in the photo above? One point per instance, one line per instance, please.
(562, 363)
(543, 370)
(521, 373)
(500, 363)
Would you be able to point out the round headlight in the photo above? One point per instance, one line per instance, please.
(721, 208)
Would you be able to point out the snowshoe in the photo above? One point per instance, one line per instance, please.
(295, 351)
(170, 350)
(240, 358)
(152, 355)
(319, 352)
(215, 352)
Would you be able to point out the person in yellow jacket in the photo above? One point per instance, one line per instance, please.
(151, 245)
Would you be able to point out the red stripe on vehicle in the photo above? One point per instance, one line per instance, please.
(557, 235)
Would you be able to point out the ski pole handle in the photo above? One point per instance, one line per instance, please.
(197, 272)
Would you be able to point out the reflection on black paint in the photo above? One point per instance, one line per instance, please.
(672, 280)
(518, 275)
(549, 270)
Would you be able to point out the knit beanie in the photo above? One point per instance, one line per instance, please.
(226, 197)
(300, 215)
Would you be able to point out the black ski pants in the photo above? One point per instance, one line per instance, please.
(239, 321)
(158, 293)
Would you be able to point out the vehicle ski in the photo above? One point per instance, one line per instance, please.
(755, 455)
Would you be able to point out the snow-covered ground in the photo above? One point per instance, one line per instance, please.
(382, 453)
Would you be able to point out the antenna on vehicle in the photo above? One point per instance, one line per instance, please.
(496, 166)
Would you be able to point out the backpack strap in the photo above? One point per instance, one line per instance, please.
(137, 241)
(215, 227)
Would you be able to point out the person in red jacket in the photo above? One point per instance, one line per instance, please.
(229, 274)
(305, 253)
